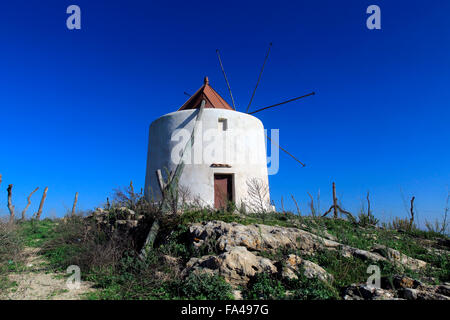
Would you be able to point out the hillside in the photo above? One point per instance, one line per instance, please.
(209, 254)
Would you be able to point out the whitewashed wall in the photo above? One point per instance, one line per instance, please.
(243, 145)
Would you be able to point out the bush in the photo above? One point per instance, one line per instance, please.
(265, 287)
(401, 224)
(135, 279)
(205, 286)
(77, 241)
(270, 287)
(365, 220)
(438, 227)
(305, 288)
(11, 248)
(10, 243)
(155, 279)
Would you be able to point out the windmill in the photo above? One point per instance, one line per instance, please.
(215, 183)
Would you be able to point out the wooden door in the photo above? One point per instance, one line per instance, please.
(223, 190)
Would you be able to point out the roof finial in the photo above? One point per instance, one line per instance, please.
(206, 80)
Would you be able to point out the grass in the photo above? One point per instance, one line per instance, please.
(409, 243)
(272, 287)
(36, 232)
(270, 219)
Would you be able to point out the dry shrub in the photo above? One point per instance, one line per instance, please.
(258, 193)
(11, 252)
(11, 245)
(402, 224)
(441, 227)
(81, 242)
(367, 219)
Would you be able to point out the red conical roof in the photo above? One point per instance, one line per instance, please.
(213, 99)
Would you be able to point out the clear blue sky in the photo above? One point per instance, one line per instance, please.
(76, 105)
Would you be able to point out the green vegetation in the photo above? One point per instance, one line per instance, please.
(265, 286)
(35, 232)
(205, 286)
(270, 219)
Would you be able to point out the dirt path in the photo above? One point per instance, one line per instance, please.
(35, 283)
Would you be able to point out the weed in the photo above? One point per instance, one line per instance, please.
(265, 287)
(205, 286)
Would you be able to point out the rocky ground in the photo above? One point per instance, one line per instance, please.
(34, 282)
(240, 259)
(241, 251)
(240, 248)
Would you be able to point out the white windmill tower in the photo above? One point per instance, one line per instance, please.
(227, 152)
(210, 148)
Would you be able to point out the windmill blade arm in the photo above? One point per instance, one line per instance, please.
(259, 77)
(287, 152)
(284, 102)
(226, 79)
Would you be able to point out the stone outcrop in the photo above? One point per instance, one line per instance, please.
(294, 264)
(258, 237)
(242, 251)
(399, 258)
(120, 218)
(237, 265)
(364, 292)
(399, 287)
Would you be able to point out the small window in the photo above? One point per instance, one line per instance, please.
(223, 124)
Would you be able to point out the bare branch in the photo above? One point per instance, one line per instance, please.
(296, 205)
(445, 223)
(41, 205)
(10, 205)
(258, 192)
(368, 205)
(28, 203)
(74, 204)
(411, 211)
(311, 205)
(336, 208)
(335, 213)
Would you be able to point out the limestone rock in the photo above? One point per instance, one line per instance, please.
(132, 224)
(401, 287)
(257, 237)
(423, 293)
(237, 295)
(409, 294)
(348, 251)
(405, 282)
(364, 292)
(237, 265)
(399, 258)
(444, 289)
(294, 263)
